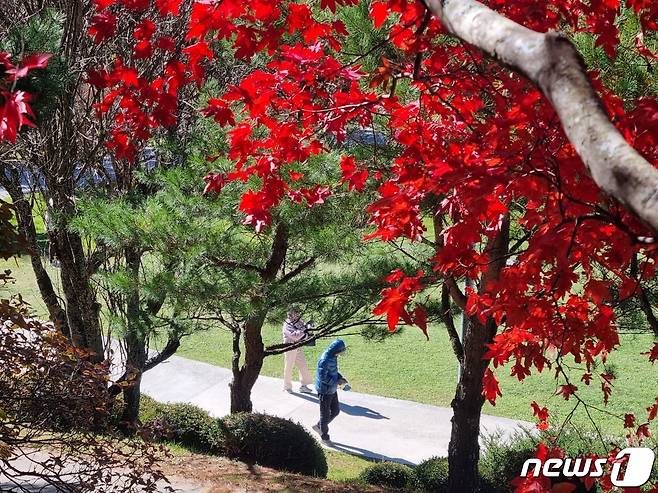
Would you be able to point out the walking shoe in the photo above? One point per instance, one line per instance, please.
(316, 428)
(326, 440)
(288, 390)
(303, 389)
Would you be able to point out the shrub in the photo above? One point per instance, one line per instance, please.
(503, 460)
(432, 475)
(273, 442)
(188, 425)
(149, 408)
(388, 474)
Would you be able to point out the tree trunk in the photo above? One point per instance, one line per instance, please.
(135, 344)
(82, 308)
(245, 377)
(28, 230)
(464, 447)
(132, 393)
(241, 394)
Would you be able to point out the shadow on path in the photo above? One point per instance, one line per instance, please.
(359, 411)
(349, 449)
(34, 488)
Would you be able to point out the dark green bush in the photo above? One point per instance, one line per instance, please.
(149, 408)
(503, 459)
(432, 475)
(388, 474)
(273, 442)
(188, 425)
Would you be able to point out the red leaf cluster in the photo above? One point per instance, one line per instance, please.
(15, 110)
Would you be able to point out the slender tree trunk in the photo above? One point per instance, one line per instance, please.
(464, 447)
(135, 344)
(82, 307)
(135, 359)
(245, 376)
(27, 228)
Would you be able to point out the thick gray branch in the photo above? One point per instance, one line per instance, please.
(169, 350)
(552, 62)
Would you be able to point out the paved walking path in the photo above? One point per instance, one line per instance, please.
(369, 425)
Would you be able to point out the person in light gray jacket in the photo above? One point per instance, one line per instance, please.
(294, 329)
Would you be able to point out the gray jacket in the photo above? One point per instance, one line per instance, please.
(293, 330)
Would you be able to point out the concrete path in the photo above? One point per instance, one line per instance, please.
(370, 426)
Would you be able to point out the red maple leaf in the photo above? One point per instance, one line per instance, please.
(102, 26)
(30, 62)
(15, 112)
(168, 7)
(356, 178)
(490, 387)
(214, 182)
(219, 111)
(331, 4)
(566, 391)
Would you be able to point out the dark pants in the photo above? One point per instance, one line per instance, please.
(329, 409)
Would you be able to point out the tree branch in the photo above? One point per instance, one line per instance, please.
(449, 281)
(645, 303)
(275, 349)
(278, 254)
(169, 350)
(235, 265)
(553, 63)
(297, 270)
(446, 318)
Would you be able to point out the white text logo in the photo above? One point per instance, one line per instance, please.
(636, 473)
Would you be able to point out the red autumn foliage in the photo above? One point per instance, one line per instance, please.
(478, 146)
(15, 110)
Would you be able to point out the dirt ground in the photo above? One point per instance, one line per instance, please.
(220, 475)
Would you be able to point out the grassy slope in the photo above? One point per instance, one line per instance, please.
(24, 282)
(409, 367)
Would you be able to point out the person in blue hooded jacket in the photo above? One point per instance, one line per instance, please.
(327, 380)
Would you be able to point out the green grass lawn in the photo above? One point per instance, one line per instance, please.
(408, 366)
(24, 282)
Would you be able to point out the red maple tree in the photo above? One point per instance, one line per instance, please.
(15, 110)
(522, 207)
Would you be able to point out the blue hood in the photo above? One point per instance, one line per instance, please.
(327, 376)
(338, 346)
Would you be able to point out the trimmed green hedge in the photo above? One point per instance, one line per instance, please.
(252, 438)
(273, 442)
(503, 459)
(189, 426)
(432, 475)
(389, 474)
